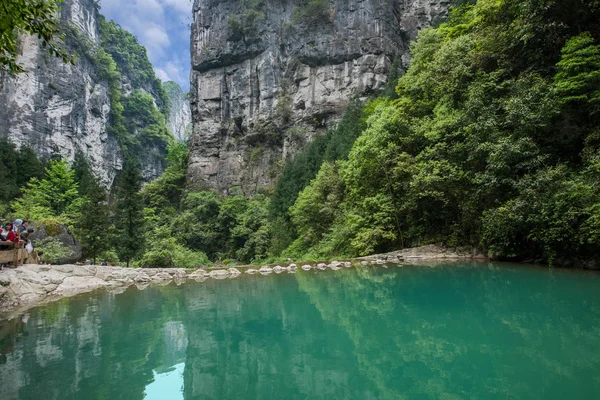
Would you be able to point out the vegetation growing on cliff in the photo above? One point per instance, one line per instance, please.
(132, 60)
(493, 142)
(312, 13)
(38, 17)
(245, 25)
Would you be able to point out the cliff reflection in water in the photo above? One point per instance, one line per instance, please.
(457, 331)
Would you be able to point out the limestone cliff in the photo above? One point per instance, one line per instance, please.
(179, 120)
(269, 74)
(61, 109)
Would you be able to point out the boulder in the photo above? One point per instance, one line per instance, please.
(141, 278)
(251, 271)
(265, 270)
(62, 234)
(321, 266)
(219, 274)
(162, 277)
(198, 274)
(278, 269)
(306, 267)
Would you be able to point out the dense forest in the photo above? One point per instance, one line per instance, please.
(490, 139)
(491, 142)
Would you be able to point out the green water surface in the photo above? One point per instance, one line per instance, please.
(454, 331)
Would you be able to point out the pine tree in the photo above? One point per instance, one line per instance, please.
(92, 226)
(59, 188)
(83, 175)
(55, 196)
(129, 213)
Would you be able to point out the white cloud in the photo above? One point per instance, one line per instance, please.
(162, 75)
(181, 6)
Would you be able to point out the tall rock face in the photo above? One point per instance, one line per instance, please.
(61, 109)
(267, 75)
(179, 120)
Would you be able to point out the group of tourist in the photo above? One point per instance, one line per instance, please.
(12, 233)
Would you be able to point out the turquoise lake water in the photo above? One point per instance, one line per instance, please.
(454, 331)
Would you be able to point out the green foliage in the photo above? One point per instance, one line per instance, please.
(33, 17)
(18, 167)
(109, 256)
(132, 60)
(317, 206)
(234, 227)
(578, 76)
(313, 13)
(492, 142)
(129, 220)
(143, 121)
(55, 252)
(299, 171)
(83, 175)
(135, 120)
(166, 252)
(92, 224)
(54, 196)
(246, 25)
(163, 195)
(52, 227)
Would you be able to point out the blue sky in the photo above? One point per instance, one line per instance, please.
(163, 27)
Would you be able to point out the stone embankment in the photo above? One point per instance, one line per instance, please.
(30, 285)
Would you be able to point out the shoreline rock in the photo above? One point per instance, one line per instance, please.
(32, 285)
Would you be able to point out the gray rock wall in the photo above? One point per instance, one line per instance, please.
(58, 108)
(264, 82)
(179, 121)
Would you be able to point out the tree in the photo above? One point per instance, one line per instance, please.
(578, 77)
(83, 175)
(92, 226)
(59, 189)
(318, 205)
(18, 167)
(129, 221)
(33, 17)
(54, 196)
(198, 224)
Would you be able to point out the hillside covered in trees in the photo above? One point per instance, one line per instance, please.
(490, 141)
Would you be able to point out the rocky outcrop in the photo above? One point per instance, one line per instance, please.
(179, 120)
(29, 285)
(427, 253)
(61, 109)
(62, 234)
(268, 75)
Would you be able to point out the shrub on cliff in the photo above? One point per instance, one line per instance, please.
(313, 13)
